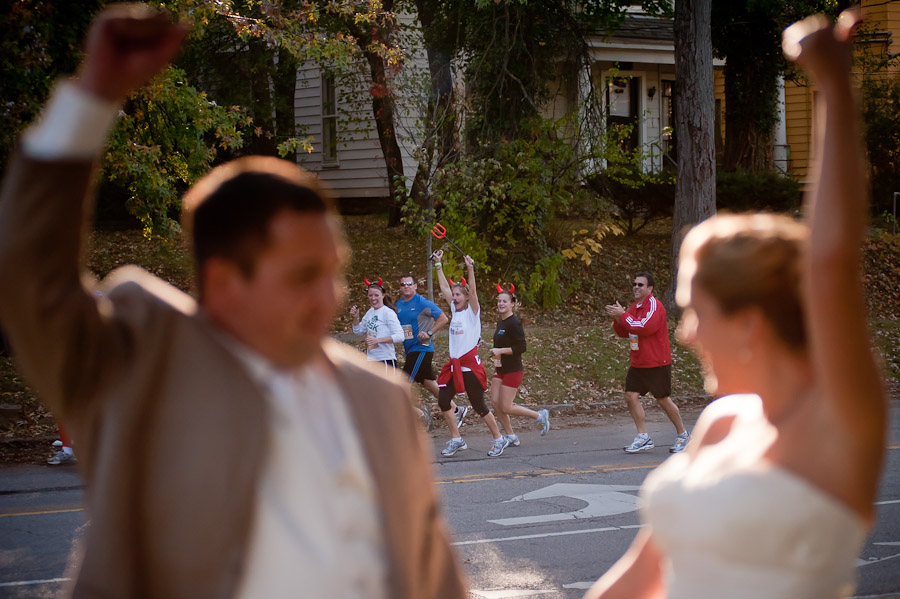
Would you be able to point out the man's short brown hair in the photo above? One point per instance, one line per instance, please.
(227, 213)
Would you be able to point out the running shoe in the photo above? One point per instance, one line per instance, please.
(513, 440)
(61, 458)
(681, 441)
(427, 418)
(498, 446)
(544, 421)
(461, 412)
(453, 446)
(642, 442)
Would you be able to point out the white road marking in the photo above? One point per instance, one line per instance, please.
(542, 535)
(510, 593)
(602, 500)
(22, 583)
(579, 585)
(874, 560)
(887, 502)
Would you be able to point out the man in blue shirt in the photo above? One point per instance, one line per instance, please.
(421, 319)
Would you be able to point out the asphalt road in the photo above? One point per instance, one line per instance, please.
(543, 520)
(548, 518)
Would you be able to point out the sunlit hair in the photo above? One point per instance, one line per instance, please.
(461, 287)
(227, 213)
(749, 261)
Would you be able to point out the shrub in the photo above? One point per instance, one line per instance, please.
(637, 199)
(744, 192)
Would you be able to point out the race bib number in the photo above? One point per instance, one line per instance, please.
(407, 331)
(634, 341)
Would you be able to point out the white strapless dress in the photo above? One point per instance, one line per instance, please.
(733, 526)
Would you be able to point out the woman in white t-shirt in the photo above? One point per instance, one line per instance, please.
(380, 325)
(464, 371)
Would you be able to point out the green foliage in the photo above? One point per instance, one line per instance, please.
(513, 51)
(744, 192)
(747, 34)
(501, 203)
(637, 198)
(166, 138)
(544, 283)
(507, 199)
(880, 118)
(39, 42)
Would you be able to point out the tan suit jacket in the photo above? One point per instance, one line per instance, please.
(171, 430)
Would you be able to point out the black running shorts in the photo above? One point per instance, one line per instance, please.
(417, 365)
(657, 381)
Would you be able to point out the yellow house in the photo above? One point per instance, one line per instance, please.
(882, 19)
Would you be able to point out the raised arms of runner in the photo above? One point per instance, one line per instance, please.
(442, 279)
(473, 292)
(837, 206)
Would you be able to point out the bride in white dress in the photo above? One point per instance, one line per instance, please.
(775, 495)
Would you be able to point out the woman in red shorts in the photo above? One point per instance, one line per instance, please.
(509, 345)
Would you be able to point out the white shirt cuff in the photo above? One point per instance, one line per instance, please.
(74, 125)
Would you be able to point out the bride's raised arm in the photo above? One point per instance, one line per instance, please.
(837, 208)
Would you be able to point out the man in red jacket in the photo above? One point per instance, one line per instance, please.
(644, 323)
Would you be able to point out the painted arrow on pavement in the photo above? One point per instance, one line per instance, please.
(602, 500)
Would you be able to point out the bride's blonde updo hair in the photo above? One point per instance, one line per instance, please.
(749, 260)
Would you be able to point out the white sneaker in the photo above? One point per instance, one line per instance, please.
(453, 446)
(498, 446)
(61, 458)
(513, 440)
(681, 441)
(642, 442)
(544, 421)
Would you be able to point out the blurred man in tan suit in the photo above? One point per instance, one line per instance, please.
(223, 441)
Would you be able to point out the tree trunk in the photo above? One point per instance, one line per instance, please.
(261, 64)
(383, 110)
(695, 188)
(751, 92)
(440, 141)
(285, 85)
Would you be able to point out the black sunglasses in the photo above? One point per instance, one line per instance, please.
(638, 285)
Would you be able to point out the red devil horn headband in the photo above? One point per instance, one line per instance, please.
(512, 289)
(499, 288)
(462, 281)
(368, 283)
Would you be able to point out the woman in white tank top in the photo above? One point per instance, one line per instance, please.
(464, 372)
(775, 495)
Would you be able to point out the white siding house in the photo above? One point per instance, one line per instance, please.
(631, 73)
